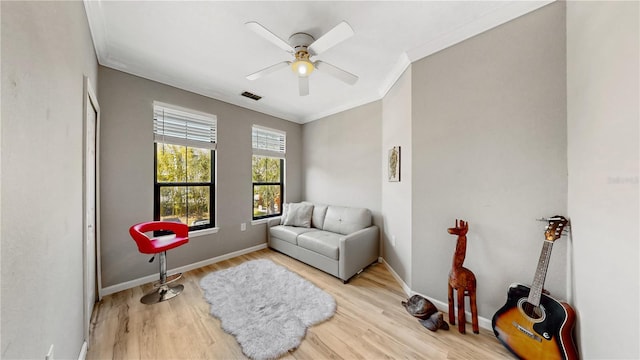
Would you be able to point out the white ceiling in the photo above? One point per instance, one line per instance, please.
(204, 46)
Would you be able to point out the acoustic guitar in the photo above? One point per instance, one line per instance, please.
(532, 324)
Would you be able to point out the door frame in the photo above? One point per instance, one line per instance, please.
(90, 101)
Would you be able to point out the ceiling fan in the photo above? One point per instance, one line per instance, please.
(303, 46)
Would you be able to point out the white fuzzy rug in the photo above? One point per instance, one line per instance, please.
(265, 306)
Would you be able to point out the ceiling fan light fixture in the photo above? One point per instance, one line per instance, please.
(302, 67)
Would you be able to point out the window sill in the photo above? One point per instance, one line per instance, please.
(203, 232)
(192, 234)
(264, 221)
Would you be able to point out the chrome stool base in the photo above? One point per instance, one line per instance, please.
(168, 280)
(163, 293)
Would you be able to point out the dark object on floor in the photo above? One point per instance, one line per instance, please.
(419, 307)
(435, 322)
(426, 312)
(462, 280)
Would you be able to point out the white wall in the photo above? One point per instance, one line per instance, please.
(603, 114)
(46, 50)
(126, 104)
(489, 146)
(342, 159)
(396, 236)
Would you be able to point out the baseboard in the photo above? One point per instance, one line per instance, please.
(442, 306)
(151, 278)
(83, 351)
(405, 287)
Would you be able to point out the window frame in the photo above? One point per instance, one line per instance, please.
(268, 143)
(263, 183)
(157, 186)
(188, 144)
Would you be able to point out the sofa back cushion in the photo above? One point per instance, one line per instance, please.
(319, 212)
(298, 214)
(285, 208)
(346, 220)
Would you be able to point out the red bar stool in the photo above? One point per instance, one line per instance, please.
(160, 245)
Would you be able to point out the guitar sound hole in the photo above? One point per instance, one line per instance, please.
(532, 311)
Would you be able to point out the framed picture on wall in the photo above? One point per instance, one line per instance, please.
(394, 164)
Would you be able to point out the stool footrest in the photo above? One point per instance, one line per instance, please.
(170, 279)
(163, 293)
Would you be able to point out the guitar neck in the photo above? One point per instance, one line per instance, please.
(541, 274)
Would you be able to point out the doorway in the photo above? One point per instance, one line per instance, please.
(91, 206)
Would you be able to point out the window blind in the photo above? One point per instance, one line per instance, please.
(268, 142)
(180, 127)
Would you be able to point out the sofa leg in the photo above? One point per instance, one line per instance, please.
(345, 281)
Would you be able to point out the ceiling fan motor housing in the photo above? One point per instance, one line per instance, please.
(300, 41)
(302, 66)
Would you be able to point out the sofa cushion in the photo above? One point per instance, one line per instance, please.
(319, 212)
(322, 242)
(346, 220)
(283, 216)
(288, 233)
(299, 214)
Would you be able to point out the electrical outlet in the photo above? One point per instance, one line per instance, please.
(49, 355)
(243, 226)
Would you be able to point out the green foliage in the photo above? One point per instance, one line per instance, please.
(266, 198)
(183, 165)
(266, 169)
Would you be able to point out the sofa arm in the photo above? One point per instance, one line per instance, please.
(271, 222)
(357, 251)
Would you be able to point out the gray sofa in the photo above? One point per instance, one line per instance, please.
(338, 240)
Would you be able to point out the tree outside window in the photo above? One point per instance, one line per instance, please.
(184, 185)
(267, 177)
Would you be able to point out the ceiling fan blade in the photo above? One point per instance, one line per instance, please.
(335, 36)
(336, 72)
(303, 84)
(269, 70)
(265, 33)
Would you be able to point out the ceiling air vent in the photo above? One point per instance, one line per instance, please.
(251, 96)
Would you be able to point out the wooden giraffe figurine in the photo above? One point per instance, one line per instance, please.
(462, 280)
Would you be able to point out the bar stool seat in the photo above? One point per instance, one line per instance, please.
(160, 245)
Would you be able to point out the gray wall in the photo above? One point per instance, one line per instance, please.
(126, 103)
(46, 50)
(342, 159)
(397, 196)
(485, 139)
(603, 112)
(489, 146)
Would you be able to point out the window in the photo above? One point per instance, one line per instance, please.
(267, 171)
(184, 181)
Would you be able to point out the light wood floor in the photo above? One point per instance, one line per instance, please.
(370, 323)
